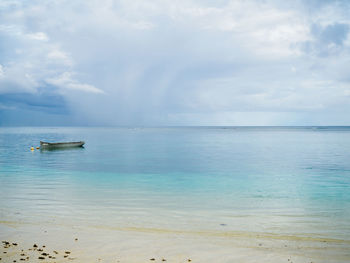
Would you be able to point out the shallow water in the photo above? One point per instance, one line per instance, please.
(279, 182)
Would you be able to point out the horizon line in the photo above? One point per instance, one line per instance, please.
(177, 126)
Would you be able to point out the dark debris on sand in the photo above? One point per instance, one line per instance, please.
(42, 254)
(35, 252)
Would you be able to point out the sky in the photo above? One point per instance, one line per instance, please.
(166, 62)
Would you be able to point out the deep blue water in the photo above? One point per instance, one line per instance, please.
(275, 180)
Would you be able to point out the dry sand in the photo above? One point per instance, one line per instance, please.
(102, 244)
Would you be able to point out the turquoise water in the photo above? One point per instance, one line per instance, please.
(287, 181)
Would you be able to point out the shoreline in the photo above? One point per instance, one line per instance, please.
(103, 244)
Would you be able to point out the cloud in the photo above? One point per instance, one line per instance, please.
(65, 81)
(327, 40)
(165, 62)
(30, 56)
(38, 36)
(60, 56)
(1, 71)
(17, 78)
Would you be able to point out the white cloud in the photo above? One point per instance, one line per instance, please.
(143, 25)
(37, 59)
(84, 87)
(66, 82)
(262, 28)
(38, 36)
(1, 71)
(60, 56)
(15, 78)
(60, 80)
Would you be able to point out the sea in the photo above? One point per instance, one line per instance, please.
(277, 181)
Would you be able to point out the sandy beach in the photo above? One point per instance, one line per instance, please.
(27, 242)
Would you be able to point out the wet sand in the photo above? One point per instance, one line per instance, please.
(28, 242)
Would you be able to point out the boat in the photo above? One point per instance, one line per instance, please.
(60, 145)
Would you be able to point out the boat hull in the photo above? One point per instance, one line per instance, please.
(60, 145)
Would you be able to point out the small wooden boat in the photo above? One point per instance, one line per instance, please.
(60, 145)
